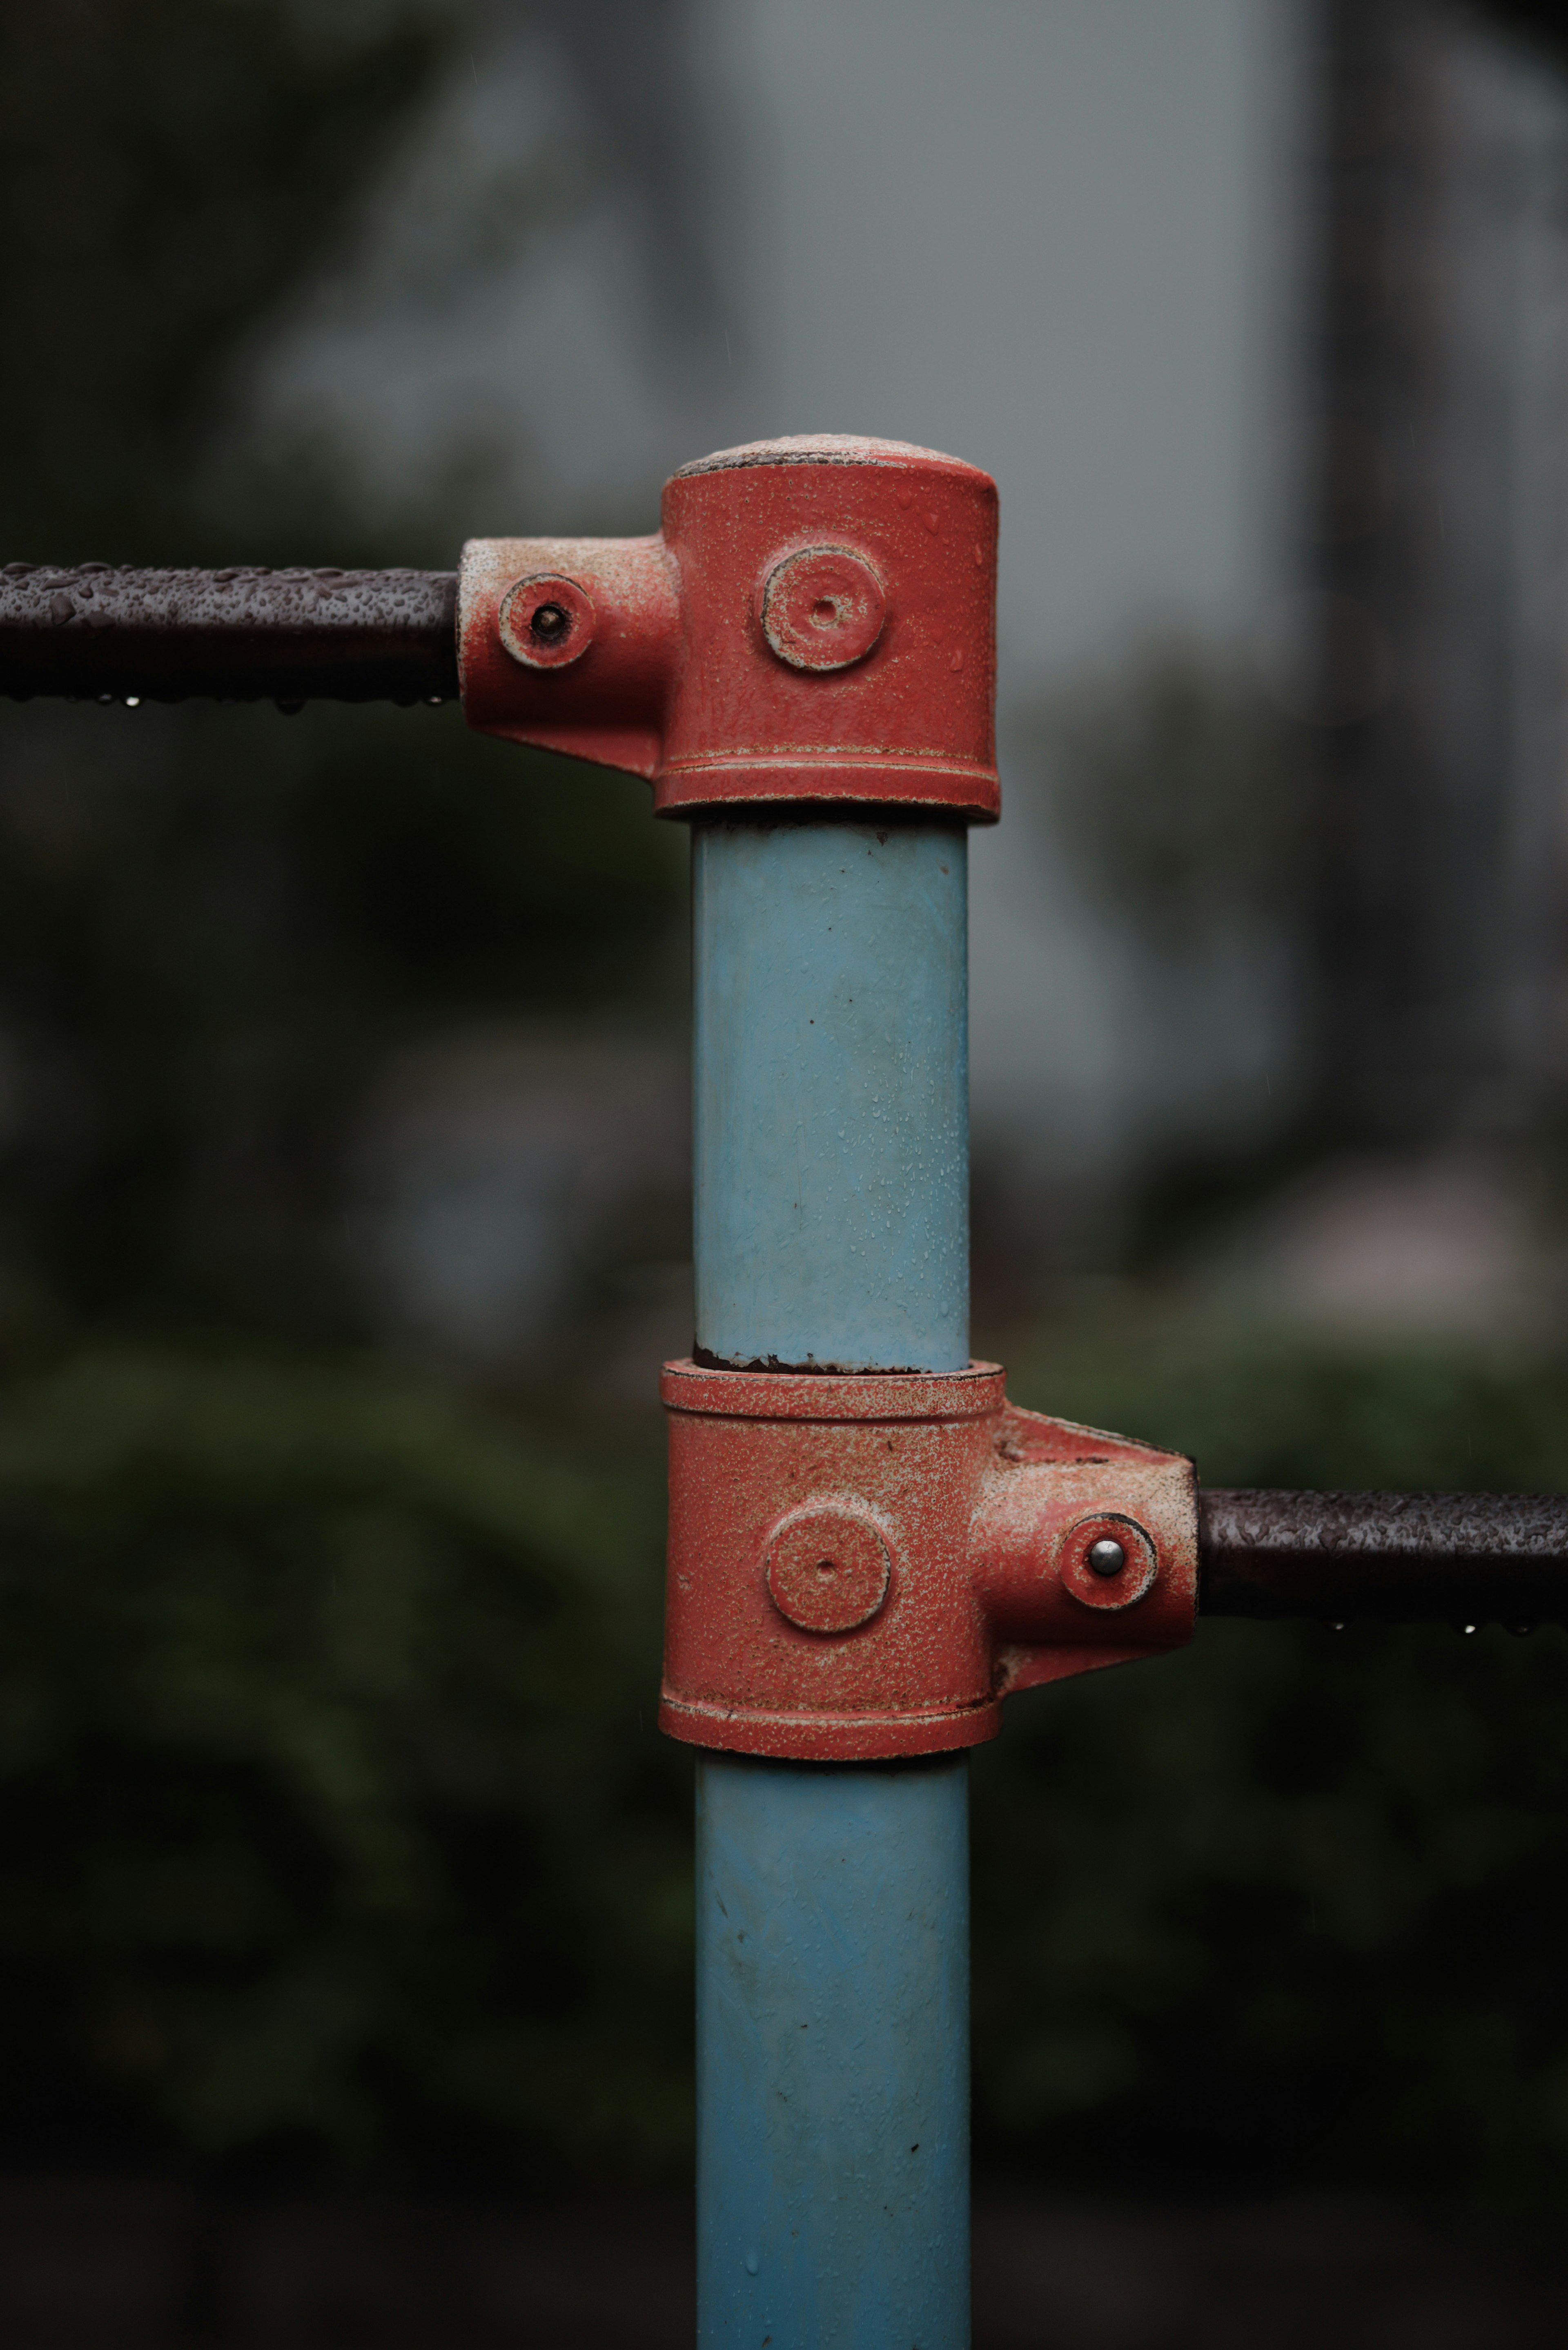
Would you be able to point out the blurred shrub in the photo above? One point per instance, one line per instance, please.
(218, 928)
(331, 1822)
(1291, 1905)
(335, 1825)
(169, 173)
(332, 1816)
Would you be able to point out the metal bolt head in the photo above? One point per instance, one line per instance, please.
(1108, 1560)
(547, 620)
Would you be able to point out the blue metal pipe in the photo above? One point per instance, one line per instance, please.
(831, 1095)
(832, 1180)
(832, 2054)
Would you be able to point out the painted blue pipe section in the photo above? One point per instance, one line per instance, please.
(833, 2055)
(830, 1064)
(832, 1229)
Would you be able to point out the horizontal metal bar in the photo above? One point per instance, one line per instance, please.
(244, 635)
(1460, 1558)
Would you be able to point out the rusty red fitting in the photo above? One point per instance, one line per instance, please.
(865, 1566)
(815, 622)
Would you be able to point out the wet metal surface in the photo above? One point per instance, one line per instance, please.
(244, 635)
(1463, 1558)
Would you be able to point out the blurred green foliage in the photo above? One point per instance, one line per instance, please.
(172, 177)
(1292, 1905)
(336, 1825)
(218, 927)
(334, 1821)
(332, 1815)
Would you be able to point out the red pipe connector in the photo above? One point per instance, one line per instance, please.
(865, 1566)
(815, 622)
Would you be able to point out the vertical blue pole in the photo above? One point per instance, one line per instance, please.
(832, 1178)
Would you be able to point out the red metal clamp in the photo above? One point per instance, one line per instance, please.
(814, 621)
(865, 1566)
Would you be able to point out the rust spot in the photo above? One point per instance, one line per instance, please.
(707, 1361)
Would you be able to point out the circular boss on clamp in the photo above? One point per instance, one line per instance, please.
(827, 1568)
(822, 608)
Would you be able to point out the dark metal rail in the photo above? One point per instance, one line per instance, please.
(1462, 1558)
(244, 635)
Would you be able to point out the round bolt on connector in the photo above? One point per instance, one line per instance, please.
(828, 1569)
(546, 621)
(822, 608)
(1106, 1561)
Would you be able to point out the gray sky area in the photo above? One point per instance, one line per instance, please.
(1040, 236)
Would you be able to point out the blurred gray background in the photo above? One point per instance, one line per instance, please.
(344, 1883)
(1095, 249)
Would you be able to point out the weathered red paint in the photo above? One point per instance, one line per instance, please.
(865, 1566)
(859, 1566)
(814, 621)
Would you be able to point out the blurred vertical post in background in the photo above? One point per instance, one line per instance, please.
(1439, 516)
